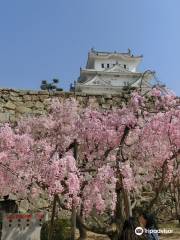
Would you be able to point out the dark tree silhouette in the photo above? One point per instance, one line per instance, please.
(50, 87)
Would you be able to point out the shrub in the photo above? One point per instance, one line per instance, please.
(61, 230)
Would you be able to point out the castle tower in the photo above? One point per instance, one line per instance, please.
(110, 72)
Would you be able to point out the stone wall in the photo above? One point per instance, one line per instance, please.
(17, 103)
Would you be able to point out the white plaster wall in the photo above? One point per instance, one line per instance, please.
(22, 226)
(114, 81)
(118, 81)
(98, 64)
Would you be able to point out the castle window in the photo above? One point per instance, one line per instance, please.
(108, 65)
(125, 66)
(102, 65)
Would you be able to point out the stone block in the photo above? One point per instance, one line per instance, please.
(27, 97)
(43, 97)
(101, 100)
(4, 117)
(15, 98)
(22, 109)
(43, 92)
(22, 92)
(47, 102)
(5, 97)
(39, 105)
(81, 94)
(105, 106)
(2, 101)
(107, 96)
(10, 105)
(38, 112)
(58, 93)
(28, 104)
(12, 118)
(35, 97)
(14, 94)
(110, 101)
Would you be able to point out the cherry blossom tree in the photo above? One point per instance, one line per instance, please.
(143, 144)
(36, 155)
(38, 151)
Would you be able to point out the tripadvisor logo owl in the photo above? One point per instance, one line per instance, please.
(139, 231)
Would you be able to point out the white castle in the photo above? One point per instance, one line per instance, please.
(110, 72)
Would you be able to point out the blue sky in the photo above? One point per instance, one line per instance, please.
(45, 39)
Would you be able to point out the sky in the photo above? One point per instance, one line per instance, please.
(46, 39)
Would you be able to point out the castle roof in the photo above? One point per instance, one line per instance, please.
(93, 54)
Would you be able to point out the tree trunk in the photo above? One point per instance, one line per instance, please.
(82, 230)
(73, 216)
(119, 213)
(177, 201)
(113, 236)
(51, 228)
(127, 204)
(73, 222)
(160, 187)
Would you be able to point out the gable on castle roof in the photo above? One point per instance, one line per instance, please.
(97, 80)
(117, 68)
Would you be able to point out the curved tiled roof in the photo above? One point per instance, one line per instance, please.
(106, 53)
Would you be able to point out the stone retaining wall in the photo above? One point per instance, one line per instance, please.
(17, 103)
